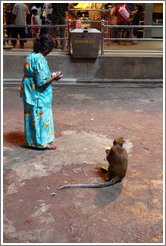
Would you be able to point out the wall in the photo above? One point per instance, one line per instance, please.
(103, 69)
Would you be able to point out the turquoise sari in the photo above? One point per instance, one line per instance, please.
(37, 98)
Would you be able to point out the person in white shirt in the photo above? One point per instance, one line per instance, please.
(20, 12)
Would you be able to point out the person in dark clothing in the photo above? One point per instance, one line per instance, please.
(131, 6)
(9, 18)
(58, 17)
(45, 17)
(137, 18)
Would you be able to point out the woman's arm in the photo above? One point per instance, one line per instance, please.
(55, 77)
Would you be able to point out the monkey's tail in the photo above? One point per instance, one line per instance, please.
(100, 185)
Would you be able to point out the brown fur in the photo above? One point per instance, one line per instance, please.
(118, 162)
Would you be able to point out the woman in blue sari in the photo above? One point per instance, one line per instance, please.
(36, 92)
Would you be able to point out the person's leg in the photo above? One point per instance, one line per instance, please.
(134, 35)
(53, 31)
(14, 34)
(47, 29)
(119, 35)
(129, 34)
(8, 30)
(22, 35)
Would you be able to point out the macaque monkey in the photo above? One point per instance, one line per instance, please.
(118, 161)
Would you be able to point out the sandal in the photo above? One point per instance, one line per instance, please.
(51, 147)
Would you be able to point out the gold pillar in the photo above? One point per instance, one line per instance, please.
(5, 44)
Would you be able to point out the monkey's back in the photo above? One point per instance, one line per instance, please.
(118, 162)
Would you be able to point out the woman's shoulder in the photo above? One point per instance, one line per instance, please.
(34, 55)
(33, 58)
(38, 59)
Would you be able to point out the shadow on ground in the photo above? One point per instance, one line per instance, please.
(15, 137)
(107, 195)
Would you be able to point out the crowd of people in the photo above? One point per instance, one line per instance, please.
(38, 14)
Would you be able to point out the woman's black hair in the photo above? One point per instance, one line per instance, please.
(44, 44)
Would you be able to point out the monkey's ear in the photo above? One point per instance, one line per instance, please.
(114, 142)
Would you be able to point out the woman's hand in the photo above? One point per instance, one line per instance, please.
(56, 76)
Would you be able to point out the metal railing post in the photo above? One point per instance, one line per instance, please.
(109, 22)
(102, 37)
(69, 37)
(5, 44)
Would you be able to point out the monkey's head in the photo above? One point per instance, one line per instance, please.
(119, 141)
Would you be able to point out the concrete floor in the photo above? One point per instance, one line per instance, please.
(86, 120)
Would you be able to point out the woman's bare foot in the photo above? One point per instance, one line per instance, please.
(51, 147)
